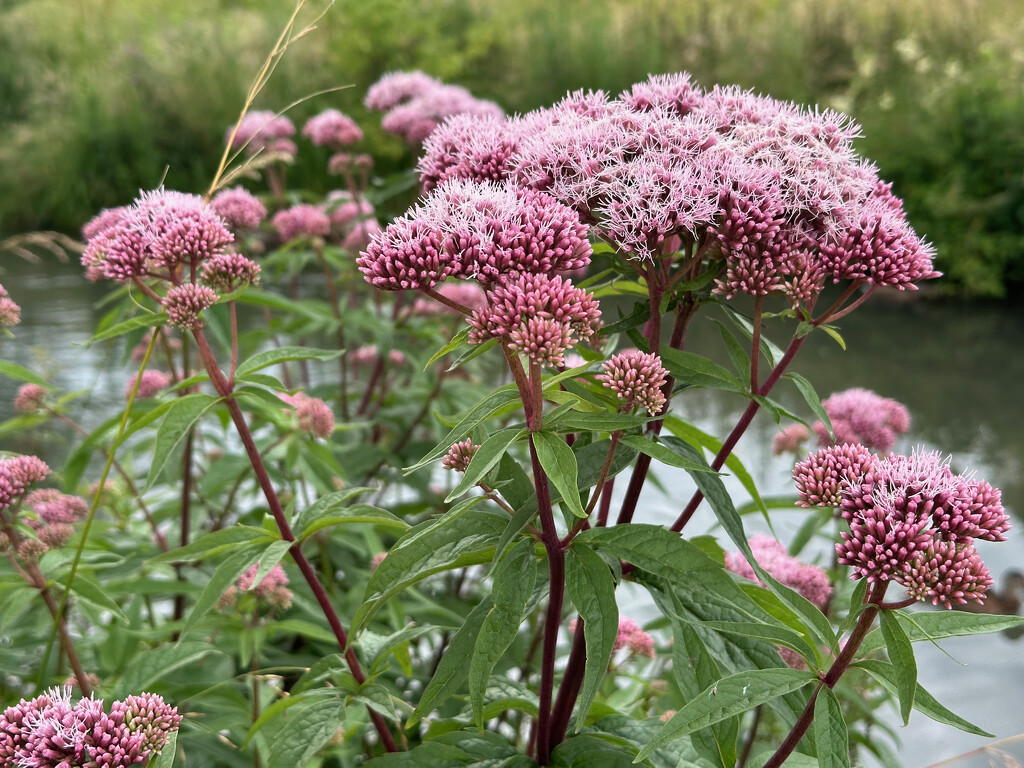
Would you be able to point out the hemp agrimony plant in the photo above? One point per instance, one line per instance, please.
(325, 541)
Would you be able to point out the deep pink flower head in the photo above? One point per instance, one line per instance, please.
(186, 302)
(30, 398)
(153, 383)
(821, 477)
(475, 230)
(468, 147)
(395, 88)
(809, 580)
(860, 416)
(54, 507)
(10, 312)
(273, 587)
(314, 415)
(331, 128)
(227, 272)
(913, 521)
(17, 474)
(539, 315)
(301, 221)
(417, 118)
(637, 378)
(459, 455)
(239, 208)
(790, 440)
(259, 129)
(633, 638)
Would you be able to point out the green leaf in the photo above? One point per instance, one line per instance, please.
(150, 666)
(730, 696)
(211, 544)
(224, 576)
(807, 390)
(832, 331)
(738, 355)
(462, 536)
(329, 510)
(830, 734)
(165, 758)
(21, 373)
(667, 451)
(596, 422)
(487, 455)
(152, 320)
(87, 588)
(180, 419)
(454, 667)
(650, 547)
(591, 588)
(278, 355)
(941, 624)
(559, 463)
(769, 632)
(698, 371)
(512, 582)
(459, 340)
(901, 654)
(302, 730)
(924, 702)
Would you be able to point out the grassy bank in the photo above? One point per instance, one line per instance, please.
(101, 97)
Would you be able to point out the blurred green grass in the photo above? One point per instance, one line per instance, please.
(99, 98)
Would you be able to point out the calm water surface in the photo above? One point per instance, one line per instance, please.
(958, 368)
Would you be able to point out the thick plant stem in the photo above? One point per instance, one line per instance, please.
(553, 618)
(741, 427)
(569, 690)
(839, 666)
(263, 478)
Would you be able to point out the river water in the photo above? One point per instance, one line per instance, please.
(958, 368)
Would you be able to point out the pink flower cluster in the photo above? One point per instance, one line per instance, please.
(301, 221)
(153, 383)
(332, 128)
(790, 440)
(809, 580)
(55, 515)
(273, 587)
(416, 104)
(475, 230)
(50, 731)
(314, 415)
(774, 190)
(239, 208)
(914, 522)
(263, 130)
(17, 474)
(30, 398)
(368, 354)
(860, 416)
(629, 636)
(537, 315)
(637, 378)
(10, 312)
(459, 455)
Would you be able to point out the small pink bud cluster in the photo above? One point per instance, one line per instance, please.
(273, 587)
(332, 128)
(30, 398)
(17, 474)
(262, 130)
(152, 383)
(301, 221)
(823, 476)
(861, 416)
(538, 315)
(368, 354)
(637, 378)
(790, 440)
(459, 455)
(50, 731)
(10, 312)
(415, 104)
(228, 272)
(186, 302)
(239, 208)
(914, 522)
(314, 415)
(55, 514)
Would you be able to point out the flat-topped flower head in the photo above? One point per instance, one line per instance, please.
(348, 211)
(860, 416)
(822, 477)
(185, 304)
(332, 128)
(228, 272)
(239, 208)
(103, 221)
(459, 455)
(468, 146)
(395, 88)
(152, 384)
(415, 119)
(259, 129)
(300, 222)
(675, 91)
(17, 474)
(314, 415)
(30, 398)
(526, 310)
(637, 378)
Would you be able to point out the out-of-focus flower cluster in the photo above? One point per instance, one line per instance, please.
(263, 131)
(629, 636)
(912, 520)
(861, 416)
(49, 514)
(415, 104)
(50, 731)
(10, 312)
(272, 589)
(314, 415)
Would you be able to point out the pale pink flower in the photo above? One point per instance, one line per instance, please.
(331, 128)
(348, 210)
(633, 638)
(809, 580)
(55, 508)
(153, 383)
(361, 234)
(314, 415)
(395, 88)
(239, 208)
(10, 312)
(823, 476)
(301, 221)
(861, 416)
(259, 129)
(273, 587)
(30, 398)
(103, 221)
(468, 147)
(228, 272)
(17, 474)
(790, 440)
(377, 559)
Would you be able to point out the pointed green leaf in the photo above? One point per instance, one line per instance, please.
(698, 371)
(650, 547)
(941, 624)
(591, 587)
(807, 390)
(483, 410)
(559, 463)
(302, 730)
(165, 758)
(214, 543)
(150, 666)
(901, 654)
(668, 452)
(459, 340)
(87, 588)
(21, 373)
(769, 632)
(180, 419)
(487, 455)
(596, 422)
(738, 355)
(278, 355)
(512, 581)
(730, 696)
(830, 734)
(152, 320)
